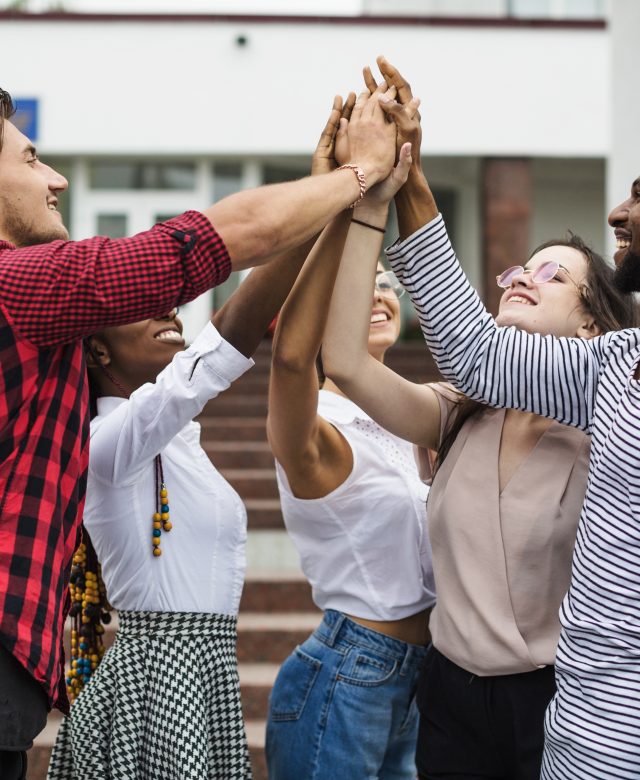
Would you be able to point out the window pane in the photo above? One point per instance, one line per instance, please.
(123, 175)
(227, 179)
(274, 174)
(112, 225)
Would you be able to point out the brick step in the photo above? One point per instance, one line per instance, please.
(274, 592)
(264, 513)
(237, 406)
(252, 483)
(240, 454)
(270, 637)
(43, 744)
(232, 429)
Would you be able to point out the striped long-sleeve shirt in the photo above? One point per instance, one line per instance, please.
(593, 724)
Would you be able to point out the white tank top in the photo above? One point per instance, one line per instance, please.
(364, 547)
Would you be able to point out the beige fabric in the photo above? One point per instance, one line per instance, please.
(502, 562)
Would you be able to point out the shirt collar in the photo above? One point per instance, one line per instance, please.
(107, 403)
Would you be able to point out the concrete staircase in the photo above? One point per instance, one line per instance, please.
(276, 611)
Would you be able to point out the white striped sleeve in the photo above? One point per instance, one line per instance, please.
(504, 367)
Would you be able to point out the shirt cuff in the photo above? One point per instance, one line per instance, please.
(400, 246)
(219, 355)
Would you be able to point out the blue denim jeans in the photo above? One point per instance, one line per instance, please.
(343, 706)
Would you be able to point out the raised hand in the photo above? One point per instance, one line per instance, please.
(372, 139)
(383, 193)
(404, 111)
(333, 142)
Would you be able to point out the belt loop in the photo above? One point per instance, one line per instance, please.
(407, 662)
(335, 629)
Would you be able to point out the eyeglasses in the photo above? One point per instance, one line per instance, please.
(388, 286)
(545, 272)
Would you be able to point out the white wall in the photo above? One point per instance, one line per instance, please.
(623, 108)
(187, 88)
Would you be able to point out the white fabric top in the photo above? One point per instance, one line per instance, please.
(202, 565)
(364, 547)
(592, 724)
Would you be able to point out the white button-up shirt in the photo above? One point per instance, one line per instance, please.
(202, 565)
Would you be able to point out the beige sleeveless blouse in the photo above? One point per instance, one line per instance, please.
(502, 561)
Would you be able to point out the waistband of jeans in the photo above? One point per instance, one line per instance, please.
(336, 628)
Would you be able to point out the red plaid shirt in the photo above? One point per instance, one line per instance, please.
(51, 296)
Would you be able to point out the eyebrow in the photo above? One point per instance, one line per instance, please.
(29, 150)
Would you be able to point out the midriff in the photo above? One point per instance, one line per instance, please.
(413, 629)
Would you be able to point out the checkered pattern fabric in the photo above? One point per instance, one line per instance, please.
(51, 296)
(164, 704)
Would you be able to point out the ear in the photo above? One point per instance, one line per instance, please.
(588, 329)
(97, 351)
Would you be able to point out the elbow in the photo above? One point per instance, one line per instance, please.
(250, 242)
(287, 359)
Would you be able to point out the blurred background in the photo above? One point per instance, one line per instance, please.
(150, 107)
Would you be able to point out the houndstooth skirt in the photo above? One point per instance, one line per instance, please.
(164, 704)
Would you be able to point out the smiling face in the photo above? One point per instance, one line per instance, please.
(384, 327)
(29, 192)
(625, 220)
(136, 353)
(552, 308)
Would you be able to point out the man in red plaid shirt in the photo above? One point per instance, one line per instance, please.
(53, 293)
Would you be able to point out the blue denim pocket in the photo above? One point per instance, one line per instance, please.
(293, 685)
(367, 668)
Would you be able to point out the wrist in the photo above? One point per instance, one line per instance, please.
(375, 214)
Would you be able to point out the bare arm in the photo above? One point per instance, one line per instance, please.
(405, 408)
(313, 454)
(245, 317)
(259, 223)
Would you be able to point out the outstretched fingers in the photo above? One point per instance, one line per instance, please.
(394, 78)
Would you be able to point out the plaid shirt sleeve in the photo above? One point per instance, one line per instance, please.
(66, 290)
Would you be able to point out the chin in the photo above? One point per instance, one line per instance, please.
(627, 274)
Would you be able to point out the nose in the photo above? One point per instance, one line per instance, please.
(619, 214)
(523, 278)
(56, 181)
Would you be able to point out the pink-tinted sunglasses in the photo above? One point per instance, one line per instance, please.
(545, 272)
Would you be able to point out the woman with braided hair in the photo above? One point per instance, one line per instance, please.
(170, 532)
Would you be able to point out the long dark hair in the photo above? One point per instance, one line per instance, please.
(610, 308)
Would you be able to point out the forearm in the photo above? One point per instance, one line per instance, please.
(303, 317)
(415, 204)
(259, 223)
(245, 317)
(503, 367)
(345, 342)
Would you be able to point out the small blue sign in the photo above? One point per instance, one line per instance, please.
(26, 117)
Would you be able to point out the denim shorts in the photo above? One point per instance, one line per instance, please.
(343, 706)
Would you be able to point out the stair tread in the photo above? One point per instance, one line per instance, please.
(278, 621)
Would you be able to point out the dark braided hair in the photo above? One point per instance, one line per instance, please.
(90, 609)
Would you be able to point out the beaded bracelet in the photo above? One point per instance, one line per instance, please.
(361, 181)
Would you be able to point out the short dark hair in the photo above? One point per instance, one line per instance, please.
(7, 110)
